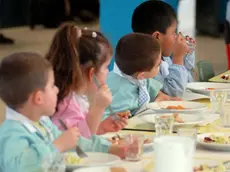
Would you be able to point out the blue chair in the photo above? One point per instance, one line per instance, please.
(205, 70)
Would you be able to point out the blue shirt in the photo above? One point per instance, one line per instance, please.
(175, 77)
(23, 146)
(126, 94)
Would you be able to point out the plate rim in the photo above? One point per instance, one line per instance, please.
(145, 145)
(72, 166)
(174, 110)
(203, 90)
(179, 124)
(211, 145)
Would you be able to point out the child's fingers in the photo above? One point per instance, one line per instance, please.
(180, 37)
(117, 126)
(104, 88)
(124, 120)
(120, 124)
(176, 98)
(187, 38)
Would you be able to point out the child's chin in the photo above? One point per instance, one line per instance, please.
(50, 113)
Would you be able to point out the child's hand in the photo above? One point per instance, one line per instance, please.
(67, 140)
(181, 48)
(163, 97)
(111, 125)
(191, 42)
(103, 97)
(118, 150)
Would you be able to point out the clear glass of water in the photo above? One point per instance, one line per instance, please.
(135, 143)
(191, 47)
(188, 132)
(217, 99)
(225, 115)
(164, 124)
(54, 163)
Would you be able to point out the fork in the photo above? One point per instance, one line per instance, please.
(79, 151)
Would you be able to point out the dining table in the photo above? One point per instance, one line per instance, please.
(146, 164)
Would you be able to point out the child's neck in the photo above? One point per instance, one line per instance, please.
(29, 112)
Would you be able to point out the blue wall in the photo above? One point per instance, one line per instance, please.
(115, 18)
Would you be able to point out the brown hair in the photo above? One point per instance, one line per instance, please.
(73, 49)
(20, 75)
(136, 52)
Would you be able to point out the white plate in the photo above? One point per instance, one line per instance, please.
(94, 159)
(189, 119)
(148, 147)
(206, 161)
(201, 87)
(93, 169)
(189, 106)
(213, 146)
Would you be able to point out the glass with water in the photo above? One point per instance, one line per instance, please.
(164, 124)
(217, 99)
(188, 132)
(135, 143)
(54, 163)
(225, 115)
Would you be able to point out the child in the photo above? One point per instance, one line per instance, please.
(158, 19)
(138, 57)
(80, 58)
(27, 135)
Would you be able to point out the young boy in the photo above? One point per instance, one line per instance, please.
(138, 57)
(158, 19)
(27, 135)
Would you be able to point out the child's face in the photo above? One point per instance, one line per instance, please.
(49, 95)
(167, 40)
(103, 72)
(101, 76)
(154, 71)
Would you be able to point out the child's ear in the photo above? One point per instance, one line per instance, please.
(141, 75)
(91, 73)
(37, 97)
(156, 35)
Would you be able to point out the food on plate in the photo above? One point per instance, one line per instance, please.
(206, 168)
(217, 139)
(117, 140)
(225, 77)
(73, 159)
(178, 107)
(177, 118)
(123, 114)
(118, 169)
(210, 89)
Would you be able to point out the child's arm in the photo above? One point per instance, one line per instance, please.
(154, 87)
(100, 101)
(113, 125)
(189, 59)
(175, 82)
(189, 63)
(163, 97)
(93, 144)
(22, 153)
(67, 140)
(100, 144)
